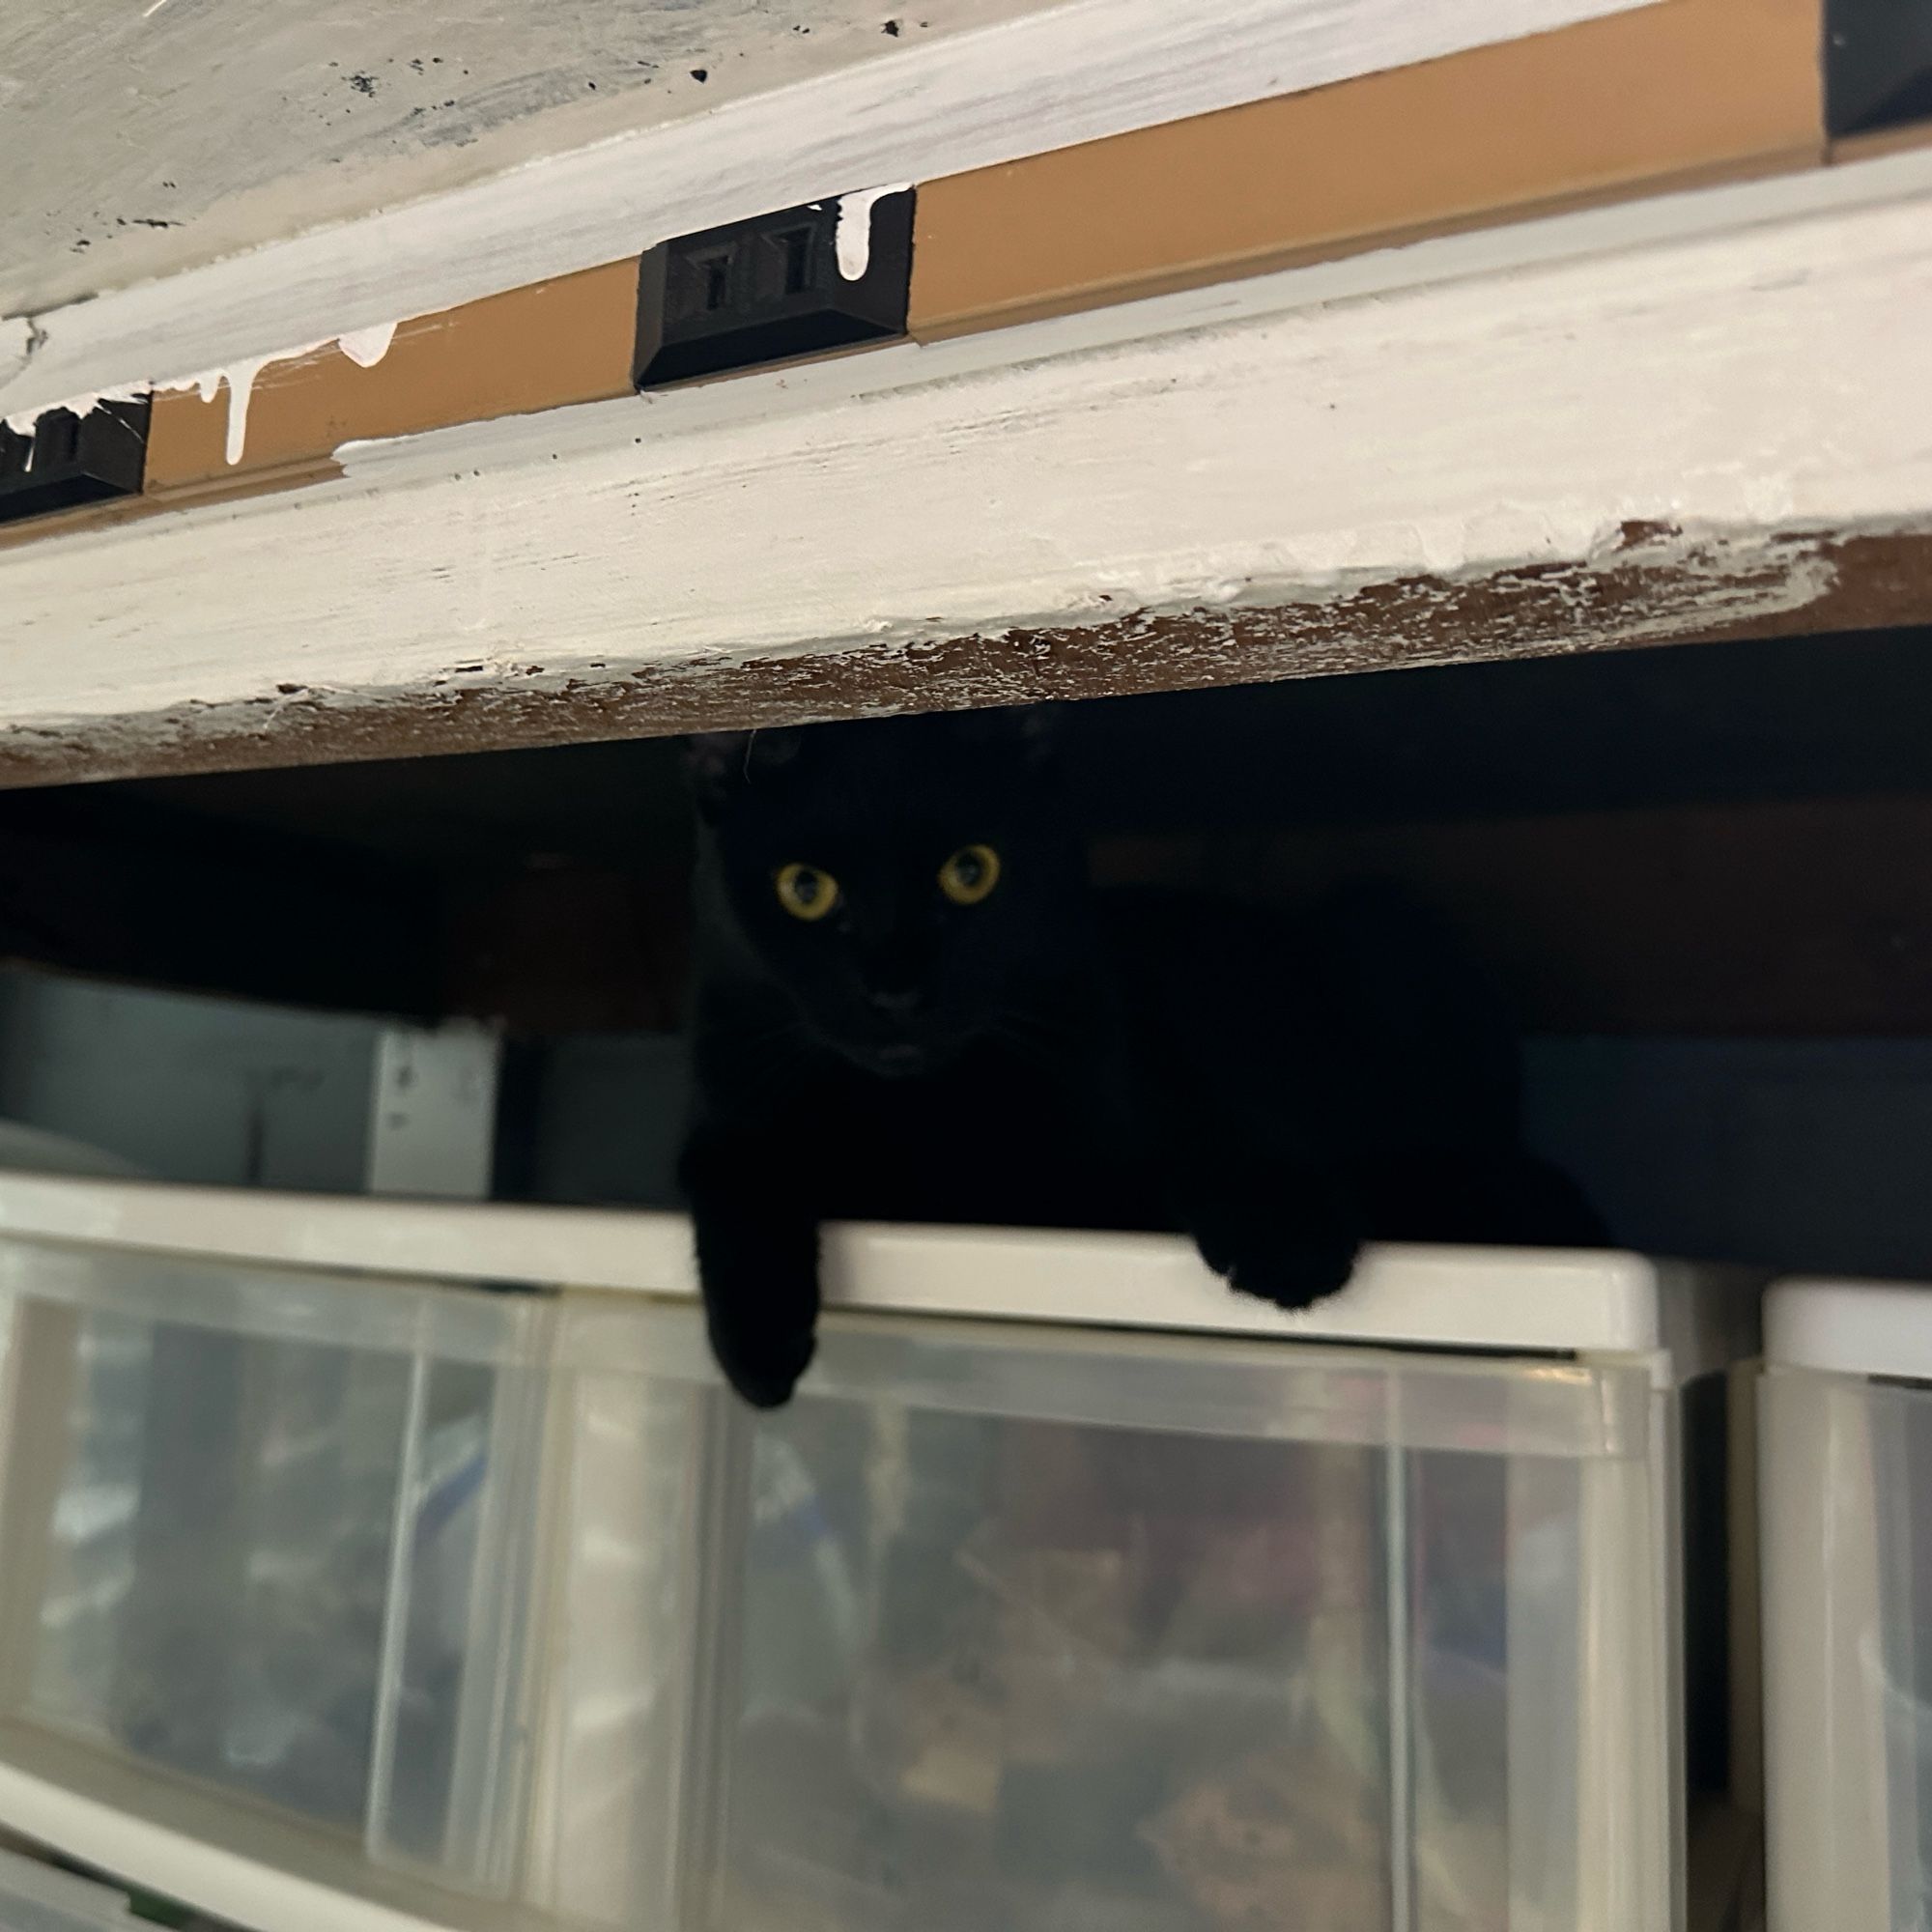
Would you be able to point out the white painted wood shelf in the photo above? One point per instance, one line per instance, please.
(1679, 412)
(1588, 1302)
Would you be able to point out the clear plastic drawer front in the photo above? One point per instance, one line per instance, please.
(995, 1627)
(271, 1534)
(1848, 1651)
(1307, 1650)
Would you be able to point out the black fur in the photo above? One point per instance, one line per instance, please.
(1281, 1089)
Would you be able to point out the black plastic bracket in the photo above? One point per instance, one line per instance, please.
(828, 275)
(66, 459)
(1878, 64)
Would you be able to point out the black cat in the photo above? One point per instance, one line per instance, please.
(911, 1006)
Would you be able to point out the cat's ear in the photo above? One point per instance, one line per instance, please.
(722, 764)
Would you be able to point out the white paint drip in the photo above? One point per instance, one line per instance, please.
(22, 421)
(241, 391)
(364, 347)
(854, 234)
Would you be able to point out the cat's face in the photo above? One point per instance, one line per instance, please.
(912, 883)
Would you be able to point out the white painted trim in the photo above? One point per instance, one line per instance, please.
(1590, 1303)
(1065, 74)
(1851, 1327)
(1473, 416)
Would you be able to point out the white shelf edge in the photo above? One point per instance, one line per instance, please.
(1585, 1302)
(1850, 1327)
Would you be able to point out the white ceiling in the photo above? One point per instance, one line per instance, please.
(138, 137)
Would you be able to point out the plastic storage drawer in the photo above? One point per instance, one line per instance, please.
(999, 1624)
(271, 1535)
(495, 1608)
(1846, 1504)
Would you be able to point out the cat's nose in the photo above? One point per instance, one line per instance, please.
(898, 1002)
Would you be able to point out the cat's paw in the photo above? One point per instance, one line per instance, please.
(1290, 1251)
(759, 1274)
(762, 1361)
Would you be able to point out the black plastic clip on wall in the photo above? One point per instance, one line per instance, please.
(827, 275)
(66, 459)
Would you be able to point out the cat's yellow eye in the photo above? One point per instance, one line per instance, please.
(970, 874)
(804, 891)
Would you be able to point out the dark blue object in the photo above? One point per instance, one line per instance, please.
(1878, 64)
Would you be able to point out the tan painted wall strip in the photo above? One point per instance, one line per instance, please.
(1683, 89)
(536, 347)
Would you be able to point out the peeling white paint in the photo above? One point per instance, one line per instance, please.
(930, 106)
(853, 234)
(1447, 432)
